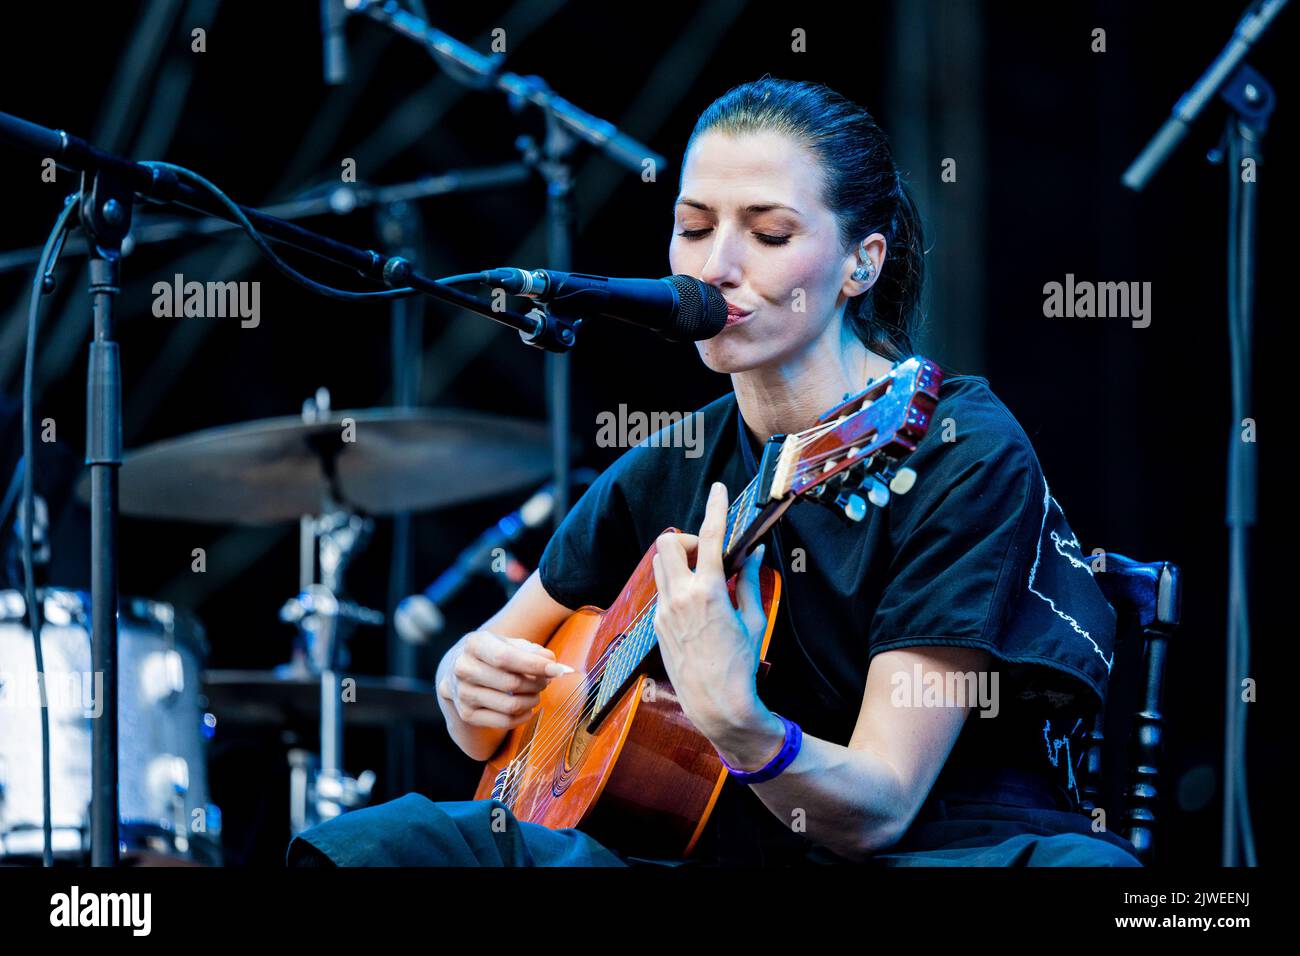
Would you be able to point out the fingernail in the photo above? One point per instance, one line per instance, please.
(556, 670)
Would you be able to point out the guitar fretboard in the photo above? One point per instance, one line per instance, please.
(639, 638)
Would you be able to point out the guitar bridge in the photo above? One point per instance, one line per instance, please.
(499, 784)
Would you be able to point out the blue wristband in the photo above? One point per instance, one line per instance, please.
(785, 756)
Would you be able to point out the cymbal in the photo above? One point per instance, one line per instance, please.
(267, 698)
(383, 460)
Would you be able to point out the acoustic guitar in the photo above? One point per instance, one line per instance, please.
(608, 748)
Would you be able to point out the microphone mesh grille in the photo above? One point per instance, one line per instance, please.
(702, 311)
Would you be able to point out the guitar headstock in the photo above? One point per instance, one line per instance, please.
(852, 455)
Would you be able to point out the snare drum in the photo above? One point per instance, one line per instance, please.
(162, 732)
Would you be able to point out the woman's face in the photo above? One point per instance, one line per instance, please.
(750, 221)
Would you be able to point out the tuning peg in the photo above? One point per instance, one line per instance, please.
(855, 509)
(877, 492)
(902, 481)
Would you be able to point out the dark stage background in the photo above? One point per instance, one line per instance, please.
(1131, 425)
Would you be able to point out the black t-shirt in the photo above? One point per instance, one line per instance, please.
(978, 554)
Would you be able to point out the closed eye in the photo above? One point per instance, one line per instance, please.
(762, 237)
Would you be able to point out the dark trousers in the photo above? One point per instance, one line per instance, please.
(415, 831)
(1016, 828)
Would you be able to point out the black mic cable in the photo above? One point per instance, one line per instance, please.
(42, 284)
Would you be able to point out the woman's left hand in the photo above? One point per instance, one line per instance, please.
(710, 648)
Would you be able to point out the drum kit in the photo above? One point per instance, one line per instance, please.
(334, 474)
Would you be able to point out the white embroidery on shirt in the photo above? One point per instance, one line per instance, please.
(1072, 543)
(1048, 502)
(1053, 754)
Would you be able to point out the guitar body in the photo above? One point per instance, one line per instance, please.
(645, 780)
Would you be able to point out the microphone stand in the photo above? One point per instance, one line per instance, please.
(1251, 100)
(109, 188)
(399, 229)
(106, 203)
(552, 162)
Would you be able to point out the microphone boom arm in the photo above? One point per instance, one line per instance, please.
(75, 154)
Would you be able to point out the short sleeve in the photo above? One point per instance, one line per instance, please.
(651, 486)
(594, 550)
(982, 556)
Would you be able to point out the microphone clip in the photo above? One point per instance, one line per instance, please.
(554, 331)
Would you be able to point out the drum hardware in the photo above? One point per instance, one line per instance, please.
(324, 622)
(331, 472)
(310, 786)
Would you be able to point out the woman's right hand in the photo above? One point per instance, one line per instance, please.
(496, 681)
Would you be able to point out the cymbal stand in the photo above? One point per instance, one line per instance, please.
(321, 789)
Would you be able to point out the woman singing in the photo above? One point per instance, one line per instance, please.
(791, 204)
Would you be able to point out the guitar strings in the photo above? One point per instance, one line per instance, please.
(637, 632)
(637, 635)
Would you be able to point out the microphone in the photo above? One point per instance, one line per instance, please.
(418, 618)
(334, 45)
(677, 307)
